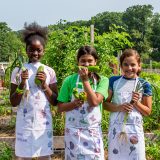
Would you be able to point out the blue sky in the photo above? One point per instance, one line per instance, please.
(45, 12)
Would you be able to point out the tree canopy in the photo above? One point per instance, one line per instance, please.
(9, 43)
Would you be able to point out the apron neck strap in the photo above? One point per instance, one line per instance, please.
(136, 81)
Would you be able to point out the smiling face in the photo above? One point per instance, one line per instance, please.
(87, 60)
(130, 67)
(35, 51)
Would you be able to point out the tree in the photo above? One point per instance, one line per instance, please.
(9, 43)
(63, 24)
(4, 46)
(62, 48)
(138, 22)
(155, 37)
(103, 21)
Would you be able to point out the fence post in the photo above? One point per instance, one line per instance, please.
(92, 34)
(150, 65)
(118, 58)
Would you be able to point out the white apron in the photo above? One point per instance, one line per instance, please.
(34, 121)
(119, 149)
(83, 135)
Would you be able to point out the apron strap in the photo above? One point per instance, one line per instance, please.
(94, 83)
(122, 78)
(117, 117)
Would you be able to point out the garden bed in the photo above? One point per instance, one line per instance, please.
(151, 124)
(7, 132)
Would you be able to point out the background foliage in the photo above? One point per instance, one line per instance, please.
(63, 45)
(137, 27)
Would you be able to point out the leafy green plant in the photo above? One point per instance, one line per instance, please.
(5, 106)
(153, 147)
(58, 122)
(6, 152)
(17, 62)
(105, 121)
(62, 48)
(155, 65)
(152, 122)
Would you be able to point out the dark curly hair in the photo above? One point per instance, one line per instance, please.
(33, 32)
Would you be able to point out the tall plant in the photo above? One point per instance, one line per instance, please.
(62, 48)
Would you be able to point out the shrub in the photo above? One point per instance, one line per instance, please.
(6, 152)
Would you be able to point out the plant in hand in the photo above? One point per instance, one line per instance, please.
(123, 134)
(91, 68)
(82, 95)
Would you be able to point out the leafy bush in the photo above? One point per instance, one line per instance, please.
(5, 106)
(155, 65)
(153, 147)
(6, 152)
(105, 121)
(152, 122)
(58, 122)
(62, 49)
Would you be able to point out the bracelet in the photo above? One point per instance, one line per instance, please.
(19, 91)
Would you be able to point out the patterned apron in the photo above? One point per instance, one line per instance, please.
(83, 135)
(120, 149)
(34, 121)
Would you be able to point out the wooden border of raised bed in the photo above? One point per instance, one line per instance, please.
(59, 140)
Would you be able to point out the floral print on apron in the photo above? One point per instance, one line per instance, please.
(34, 135)
(83, 135)
(134, 148)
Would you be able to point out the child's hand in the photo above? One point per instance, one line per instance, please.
(83, 72)
(78, 102)
(24, 76)
(126, 107)
(42, 77)
(135, 97)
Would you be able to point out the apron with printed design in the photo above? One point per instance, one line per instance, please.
(34, 121)
(83, 135)
(134, 147)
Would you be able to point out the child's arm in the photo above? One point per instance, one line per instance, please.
(68, 106)
(108, 105)
(112, 107)
(64, 97)
(145, 106)
(94, 99)
(16, 92)
(51, 92)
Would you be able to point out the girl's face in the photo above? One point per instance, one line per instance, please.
(130, 67)
(87, 60)
(35, 51)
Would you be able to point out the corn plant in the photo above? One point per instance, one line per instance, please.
(18, 62)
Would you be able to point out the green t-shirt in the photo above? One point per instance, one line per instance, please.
(69, 83)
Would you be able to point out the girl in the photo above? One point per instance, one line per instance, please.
(83, 137)
(129, 98)
(34, 120)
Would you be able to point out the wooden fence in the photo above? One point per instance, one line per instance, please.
(151, 70)
(3, 66)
